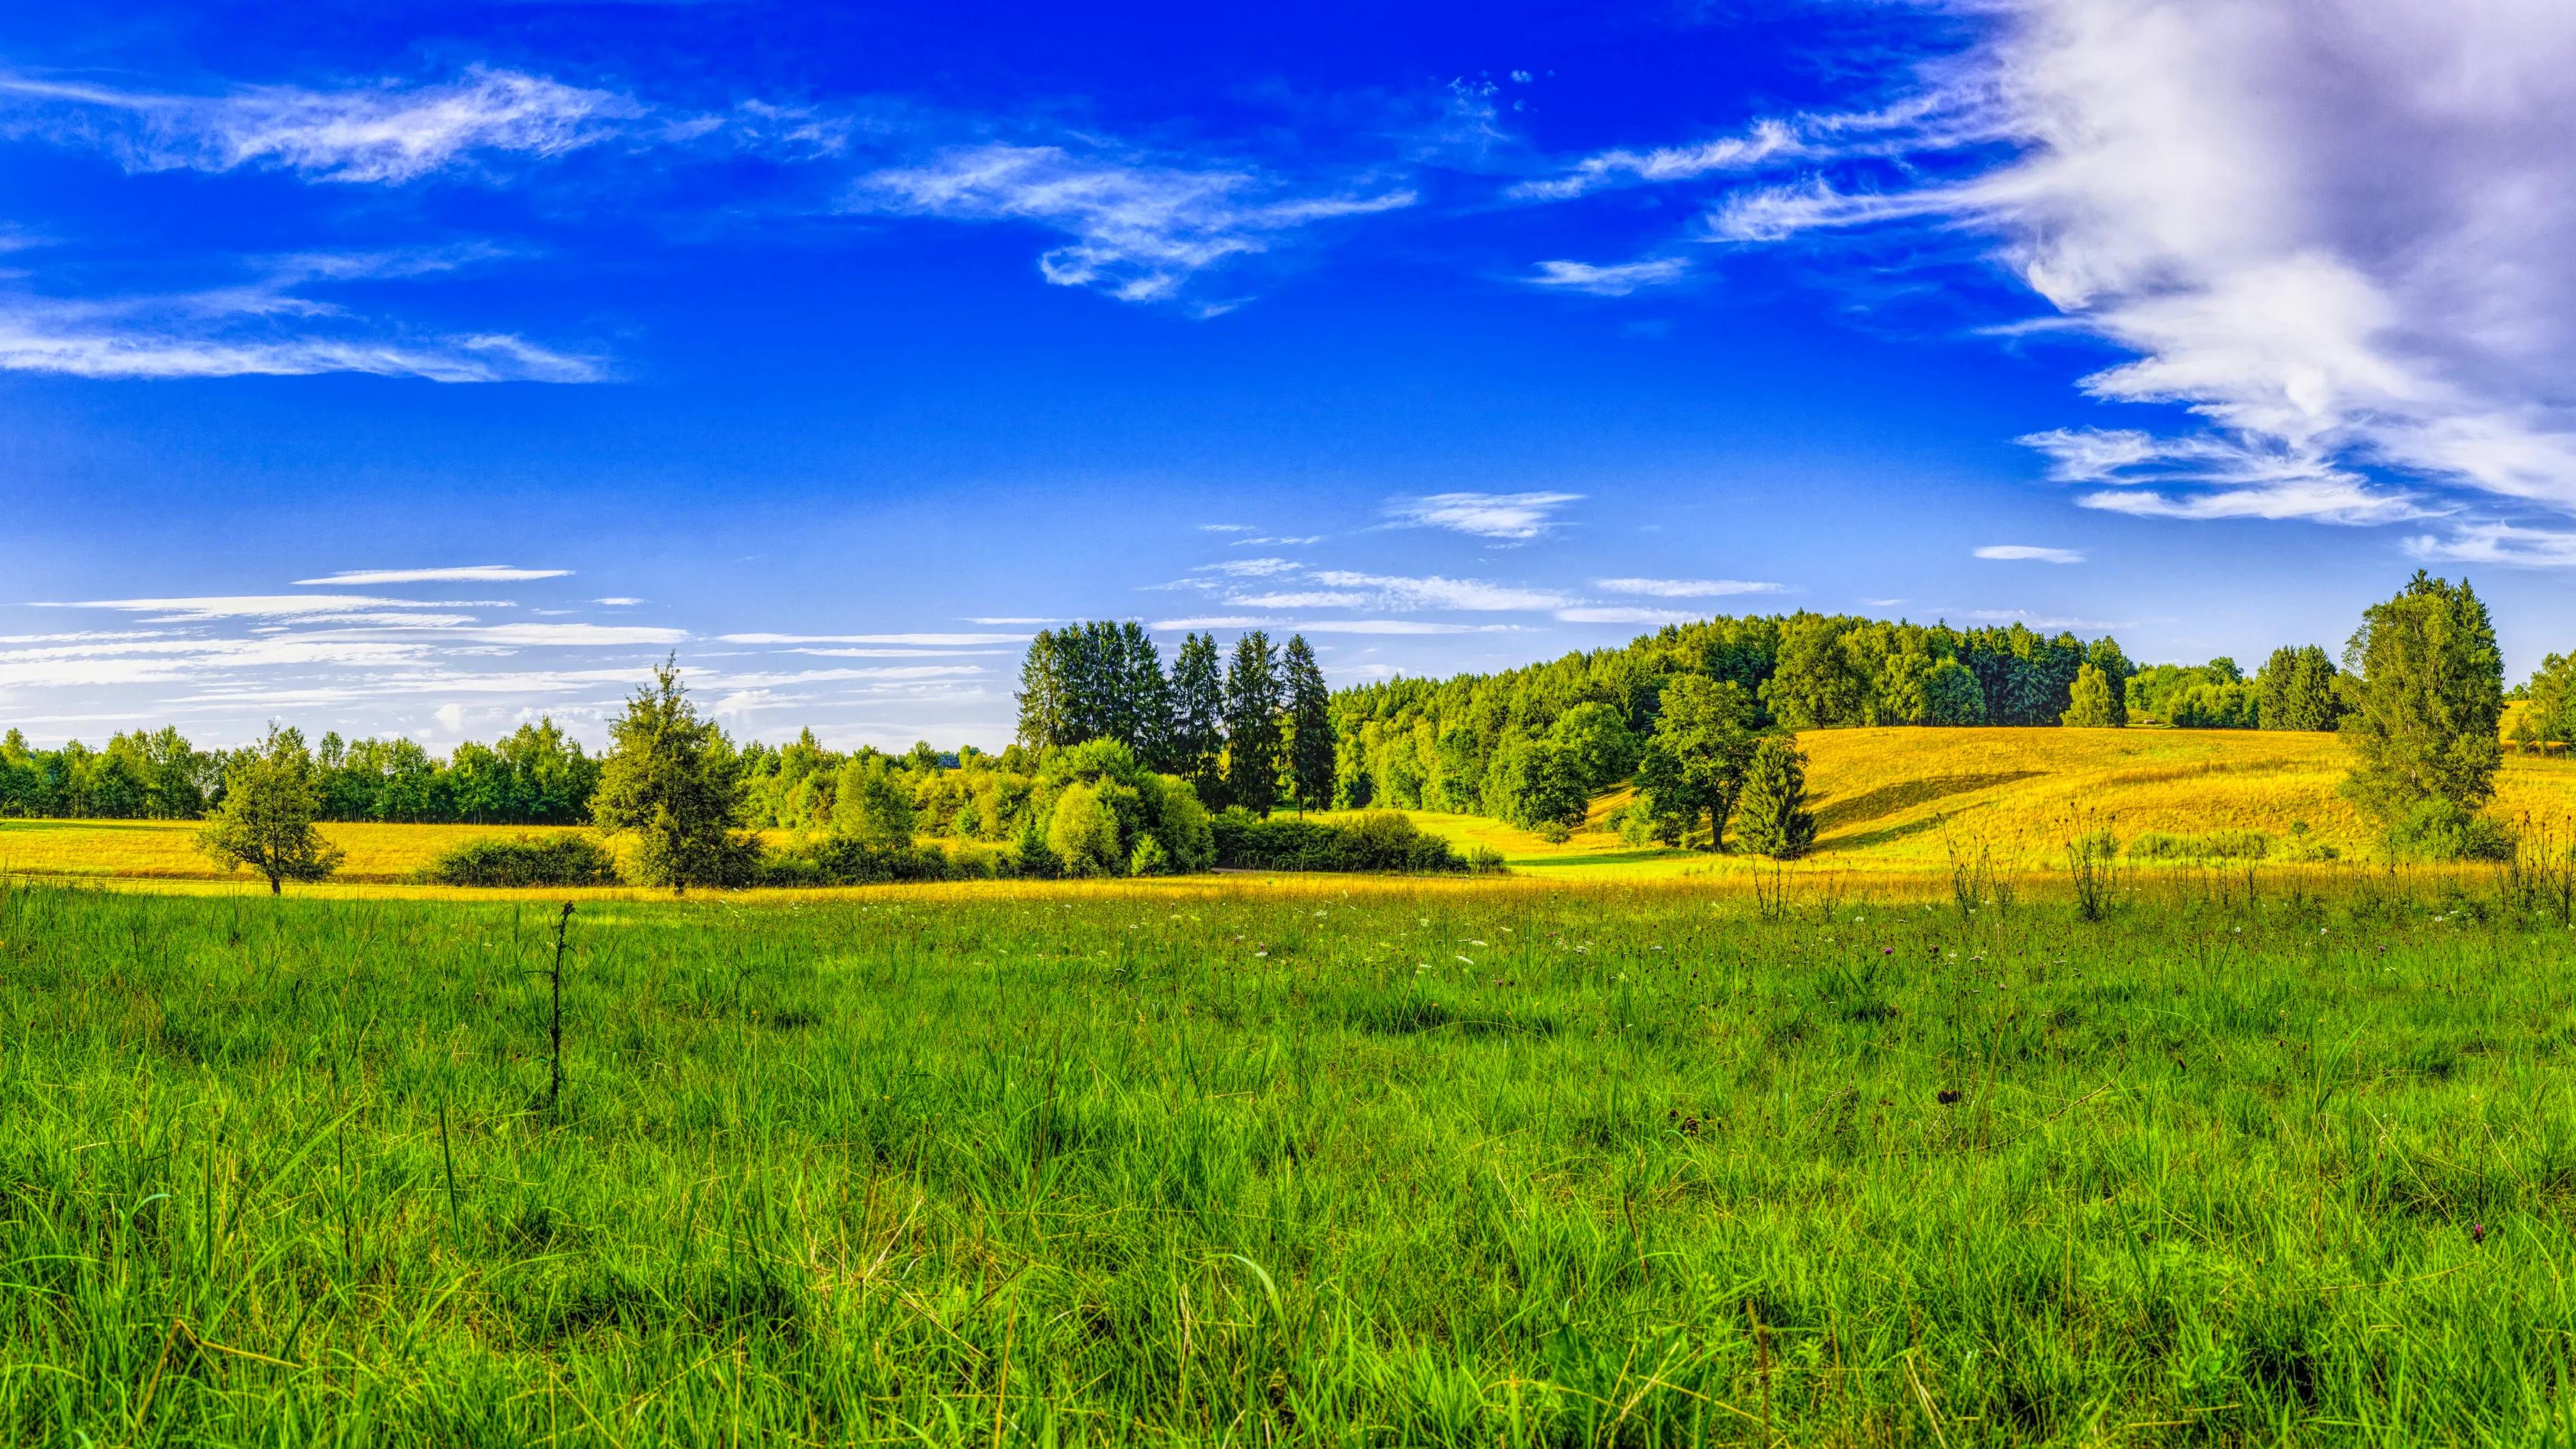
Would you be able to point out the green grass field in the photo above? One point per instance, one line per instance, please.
(1520, 1163)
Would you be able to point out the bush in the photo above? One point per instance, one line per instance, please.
(2216, 845)
(2441, 830)
(1381, 841)
(845, 860)
(524, 860)
(1150, 858)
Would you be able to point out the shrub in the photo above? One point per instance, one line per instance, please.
(1382, 841)
(2216, 845)
(844, 860)
(1150, 858)
(2440, 829)
(1083, 833)
(524, 860)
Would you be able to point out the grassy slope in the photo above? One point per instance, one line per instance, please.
(1238, 1166)
(1889, 799)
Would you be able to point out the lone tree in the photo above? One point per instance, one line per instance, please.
(2432, 692)
(2089, 704)
(673, 779)
(1310, 729)
(265, 820)
(1252, 703)
(1693, 767)
(1773, 815)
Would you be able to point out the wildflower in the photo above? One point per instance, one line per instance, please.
(2478, 1233)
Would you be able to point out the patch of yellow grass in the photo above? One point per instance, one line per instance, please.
(167, 849)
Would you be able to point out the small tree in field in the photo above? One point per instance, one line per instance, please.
(1771, 815)
(2432, 694)
(2089, 708)
(266, 818)
(673, 779)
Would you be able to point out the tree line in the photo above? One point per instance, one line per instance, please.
(536, 775)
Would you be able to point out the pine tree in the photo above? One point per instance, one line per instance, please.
(1252, 735)
(1310, 729)
(1771, 815)
(1197, 733)
(673, 779)
(1042, 692)
(1146, 723)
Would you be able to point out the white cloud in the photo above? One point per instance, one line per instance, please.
(1139, 228)
(1430, 592)
(2333, 230)
(618, 601)
(2505, 544)
(1684, 588)
(243, 334)
(2029, 553)
(1485, 515)
(1624, 614)
(466, 573)
(1331, 626)
(925, 639)
(255, 606)
(1768, 141)
(387, 133)
(1249, 568)
(1616, 280)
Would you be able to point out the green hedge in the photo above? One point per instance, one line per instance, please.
(524, 860)
(1382, 841)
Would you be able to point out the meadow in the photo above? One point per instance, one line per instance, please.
(1890, 803)
(1299, 1163)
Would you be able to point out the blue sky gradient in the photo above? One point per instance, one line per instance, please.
(836, 346)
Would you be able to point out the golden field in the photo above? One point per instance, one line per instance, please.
(1890, 804)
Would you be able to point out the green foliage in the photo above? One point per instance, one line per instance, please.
(2432, 693)
(1253, 737)
(1149, 858)
(1379, 841)
(2215, 845)
(1083, 830)
(1693, 766)
(525, 860)
(266, 819)
(2550, 711)
(871, 805)
(1772, 813)
(2438, 829)
(1603, 747)
(1198, 718)
(1536, 783)
(2092, 703)
(1951, 696)
(2298, 689)
(1308, 749)
(673, 781)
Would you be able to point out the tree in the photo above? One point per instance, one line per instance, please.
(1694, 763)
(1197, 743)
(2550, 700)
(1145, 698)
(2432, 693)
(1815, 682)
(2104, 654)
(1537, 783)
(871, 805)
(1083, 833)
(673, 779)
(2093, 701)
(1252, 700)
(1951, 695)
(1042, 694)
(1310, 730)
(266, 818)
(2296, 690)
(1605, 749)
(1772, 812)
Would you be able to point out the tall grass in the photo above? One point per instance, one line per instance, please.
(1398, 1166)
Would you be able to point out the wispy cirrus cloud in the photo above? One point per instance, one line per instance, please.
(387, 133)
(936, 639)
(1685, 588)
(462, 573)
(1138, 227)
(1618, 279)
(2027, 553)
(1484, 515)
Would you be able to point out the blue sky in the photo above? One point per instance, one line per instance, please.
(423, 368)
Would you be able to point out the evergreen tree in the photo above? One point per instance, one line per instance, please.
(1197, 736)
(1043, 685)
(2297, 690)
(1252, 735)
(1772, 813)
(1310, 729)
(2104, 654)
(1146, 713)
(266, 818)
(673, 779)
(2432, 693)
(1951, 695)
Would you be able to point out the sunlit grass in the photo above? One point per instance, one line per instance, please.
(1294, 1161)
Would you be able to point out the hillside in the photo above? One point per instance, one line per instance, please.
(1892, 798)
